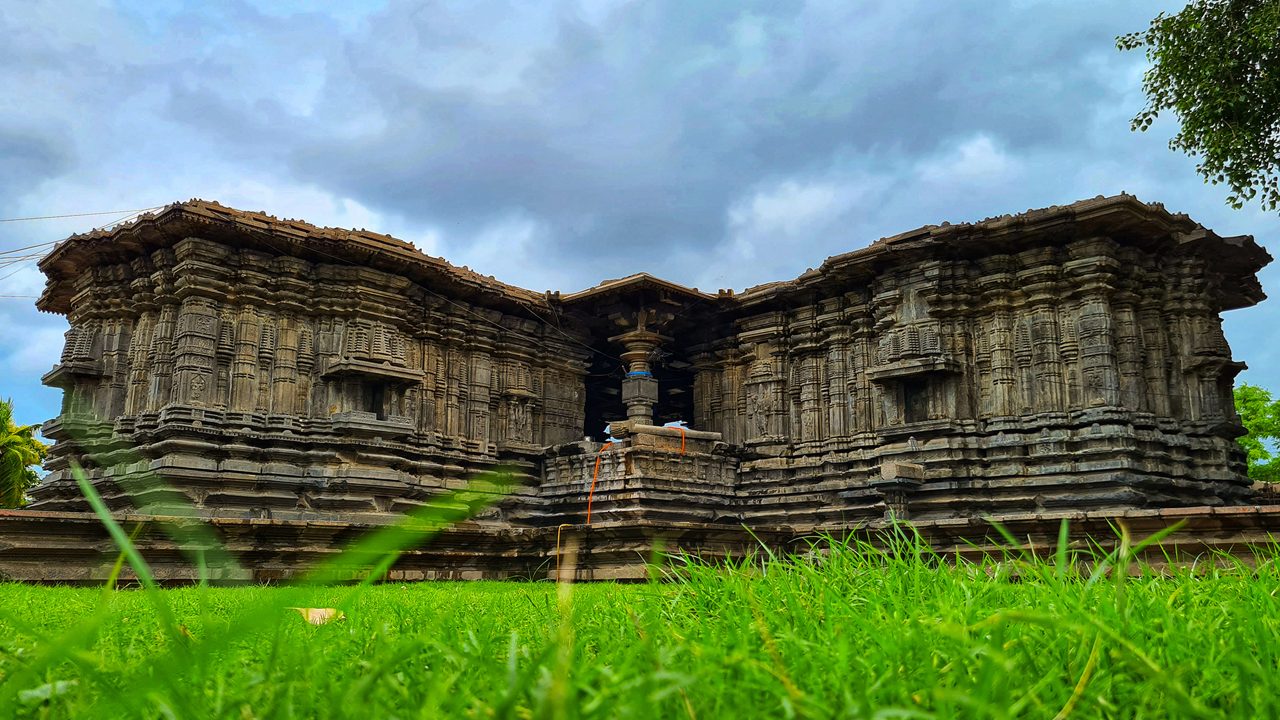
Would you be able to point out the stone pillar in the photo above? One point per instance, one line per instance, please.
(1002, 364)
(1097, 355)
(195, 344)
(306, 364)
(1129, 360)
(1092, 270)
(481, 387)
(1154, 348)
(139, 364)
(284, 376)
(639, 389)
(455, 377)
(810, 393)
(1046, 360)
(244, 368)
(161, 358)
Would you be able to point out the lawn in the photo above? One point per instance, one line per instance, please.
(848, 632)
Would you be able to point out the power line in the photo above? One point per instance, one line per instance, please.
(23, 262)
(85, 214)
(30, 247)
(130, 214)
(16, 270)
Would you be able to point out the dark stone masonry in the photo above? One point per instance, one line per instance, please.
(299, 385)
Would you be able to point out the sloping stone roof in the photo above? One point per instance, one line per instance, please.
(194, 216)
(1117, 214)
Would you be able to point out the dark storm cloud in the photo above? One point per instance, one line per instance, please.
(30, 155)
(647, 124)
(714, 144)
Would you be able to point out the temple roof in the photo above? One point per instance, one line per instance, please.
(632, 283)
(1120, 216)
(194, 217)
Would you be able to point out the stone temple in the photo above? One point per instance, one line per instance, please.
(1063, 362)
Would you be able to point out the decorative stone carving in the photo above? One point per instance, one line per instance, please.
(1068, 357)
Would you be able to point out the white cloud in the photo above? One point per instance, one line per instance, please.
(513, 249)
(778, 230)
(37, 352)
(791, 209)
(977, 160)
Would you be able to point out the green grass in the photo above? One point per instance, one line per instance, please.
(852, 633)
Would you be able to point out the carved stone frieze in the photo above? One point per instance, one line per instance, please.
(1066, 357)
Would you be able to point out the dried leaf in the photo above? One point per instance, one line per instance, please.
(320, 616)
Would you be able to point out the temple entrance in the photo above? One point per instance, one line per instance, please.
(640, 328)
(604, 394)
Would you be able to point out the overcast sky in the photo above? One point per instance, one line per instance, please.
(554, 145)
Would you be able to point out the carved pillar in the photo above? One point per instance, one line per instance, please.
(1097, 355)
(196, 344)
(861, 397)
(456, 386)
(224, 355)
(115, 359)
(481, 386)
(284, 372)
(837, 399)
(266, 357)
(1155, 356)
(639, 389)
(1073, 390)
(1092, 270)
(244, 368)
(161, 358)
(1045, 360)
(1003, 378)
(810, 393)
(306, 366)
(140, 364)
(1133, 394)
(1022, 364)
(707, 380)
(1037, 283)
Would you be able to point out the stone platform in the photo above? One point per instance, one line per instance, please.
(74, 548)
(297, 386)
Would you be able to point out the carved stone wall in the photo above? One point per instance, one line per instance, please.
(1071, 357)
(311, 386)
(1080, 373)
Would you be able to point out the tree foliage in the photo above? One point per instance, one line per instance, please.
(19, 451)
(1216, 66)
(1261, 417)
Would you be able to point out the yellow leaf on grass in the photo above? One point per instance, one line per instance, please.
(319, 616)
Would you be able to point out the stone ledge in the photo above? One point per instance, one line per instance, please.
(67, 547)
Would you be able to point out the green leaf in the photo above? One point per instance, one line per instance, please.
(1215, 65)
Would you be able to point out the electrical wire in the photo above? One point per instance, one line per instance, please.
(23, 262)
(85, 214)
(29, 247)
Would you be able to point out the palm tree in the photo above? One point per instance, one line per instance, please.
(19, 450)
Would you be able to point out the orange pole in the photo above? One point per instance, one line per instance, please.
(595, 476)
(681, 439)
